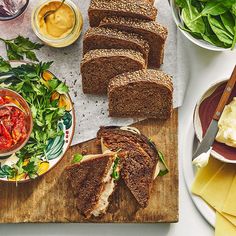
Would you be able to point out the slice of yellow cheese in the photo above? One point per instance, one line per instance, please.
(205, 174)
(229, 206)
(217, 188)
(214, 183)
(230, 218)
(223, 227)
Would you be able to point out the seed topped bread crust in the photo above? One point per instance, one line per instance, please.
(154, 33)
(98, 53)
(112, 38)
(144, 93)
(155, 76)
(99, 66)
(101, 8)
(152, 26)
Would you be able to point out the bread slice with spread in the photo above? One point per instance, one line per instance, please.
(93, 182)
(139, 159)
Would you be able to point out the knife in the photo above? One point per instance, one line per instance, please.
(212, 130)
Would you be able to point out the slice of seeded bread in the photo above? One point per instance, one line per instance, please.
(104, 38)
(100, 65)
(144, 93)
(154, 33)
(100, 9)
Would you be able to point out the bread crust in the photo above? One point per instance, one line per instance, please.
(154, 33)
(99, 66)
(152, 91)
(100, 9)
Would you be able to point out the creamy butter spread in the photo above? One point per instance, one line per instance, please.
(227, 125)
(107, 191)
(202, 159)
(130, 129)
(59, 24)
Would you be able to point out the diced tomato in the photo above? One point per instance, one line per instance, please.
(12, 125)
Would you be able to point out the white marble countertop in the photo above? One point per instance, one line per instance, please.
(206, 67)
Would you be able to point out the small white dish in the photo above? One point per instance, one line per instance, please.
(208, 103)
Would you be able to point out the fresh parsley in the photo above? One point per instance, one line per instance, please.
(20, 48)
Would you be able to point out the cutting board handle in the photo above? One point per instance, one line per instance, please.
(225, 96)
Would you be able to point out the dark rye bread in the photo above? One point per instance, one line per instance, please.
(139, 159)
(154, 33)
(144, 93)
(100, 9)
(104, 38)
(86, 179)
(101, 65)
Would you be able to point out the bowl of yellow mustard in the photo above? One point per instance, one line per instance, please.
(60, 28)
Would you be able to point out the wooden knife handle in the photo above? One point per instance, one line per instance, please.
(225, 96)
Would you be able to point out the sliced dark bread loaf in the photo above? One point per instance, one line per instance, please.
(100, 65)
(144, 93)
(104, 38)
(89, 179)
(100, 9)
(154, 33)
(139, 158)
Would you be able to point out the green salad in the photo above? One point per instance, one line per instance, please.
(45, 95)
(211, 20)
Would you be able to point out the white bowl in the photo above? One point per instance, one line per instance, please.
(200, 42)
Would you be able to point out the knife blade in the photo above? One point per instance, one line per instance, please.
(212, 130)
(207, 140)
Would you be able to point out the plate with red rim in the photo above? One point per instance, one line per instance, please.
(203, 114)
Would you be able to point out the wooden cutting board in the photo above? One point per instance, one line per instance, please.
(49, 198)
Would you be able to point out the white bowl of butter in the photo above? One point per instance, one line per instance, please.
(224, 147)
(59, 29)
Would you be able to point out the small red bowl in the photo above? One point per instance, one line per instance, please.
(29, 121)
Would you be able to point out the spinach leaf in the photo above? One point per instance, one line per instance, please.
(181, 3)
(233, 9)
(228, 21)
(234, 40)
(215, 8)
(221, 32)
(196, 26)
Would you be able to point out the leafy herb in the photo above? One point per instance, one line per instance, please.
(212, 21)
(77, 158)
(115, 173)
(163, 166)
(20, 47)
(4, 65)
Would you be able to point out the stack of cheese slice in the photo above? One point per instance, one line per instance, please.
(216, 184)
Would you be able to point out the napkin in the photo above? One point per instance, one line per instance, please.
(92, 111)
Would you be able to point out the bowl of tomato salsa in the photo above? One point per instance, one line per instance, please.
(16, 122)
